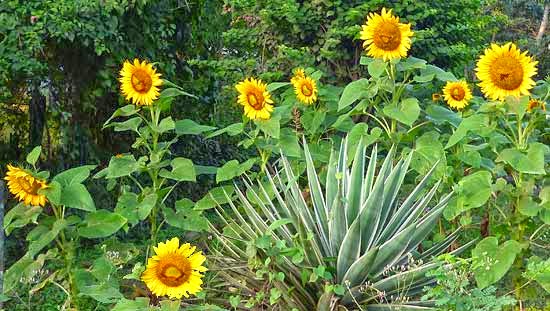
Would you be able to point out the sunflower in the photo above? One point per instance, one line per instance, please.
(255, 98)
(25, 187)
(140, 82)
(299, 73)
(534, 104)
(304, 87)
(385, 37)
(505, 71)
(457, 94)
(174, 270)
(436, 97)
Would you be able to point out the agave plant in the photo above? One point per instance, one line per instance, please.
(357, 224)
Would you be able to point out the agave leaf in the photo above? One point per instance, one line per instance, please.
(319, 206)
(370, 215)
(404, 210)
(354, 192)
(425, 226)
(392, 250)
(297, 202)
(438, 248)
(390, 184)
(337, 222)
(369, 175)
(359, 270)
(331, 183)
(349, 252)
(416, 275)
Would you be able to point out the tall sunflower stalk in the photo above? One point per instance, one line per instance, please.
(140, 84)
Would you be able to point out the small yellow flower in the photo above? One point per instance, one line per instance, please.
(505, 71)
(140, 82)
(436, 97)
(534, 104)
(174, 270)
(255, 98)
(25, 187)
(305, 87)
(385, 37)
(457, 94)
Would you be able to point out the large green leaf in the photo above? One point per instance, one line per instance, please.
(77, 196)
(473, 123)
(352, 92)
(190, 127)
(472, 191)
(491, 261)
(185, 217)
(182, 170)
(101, 224)
(122, 166)
(74, 175)
(530, 162)
(232, 169)
(407, 111)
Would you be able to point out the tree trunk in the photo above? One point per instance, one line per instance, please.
(543, 23)
(37, 116)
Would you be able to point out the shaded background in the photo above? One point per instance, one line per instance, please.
(59, 61)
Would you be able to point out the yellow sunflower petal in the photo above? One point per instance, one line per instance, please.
(174, 271)
(25, 187)
(457, 94)
(505, 71)
(385, 37)
(255, 98)
(139, 82)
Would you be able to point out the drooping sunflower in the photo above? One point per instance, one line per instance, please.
(255, 98)
(535, 104)
(457, 94)
(174, 270)
(305, 87)
(24, 186)
(140, 82)
(385, 37)
(505, 71)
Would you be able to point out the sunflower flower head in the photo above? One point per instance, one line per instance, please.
(385, 37)
(505, 71)
(536, 104)
(305, 87)
(25, 187)
(174, 270)
(255, 98)
(139, 82)
(457, 94)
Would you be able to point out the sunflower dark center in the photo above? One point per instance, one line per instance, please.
(507, 73)
(141, 81)
(458, 93)
(387, 36)
(175, 272)
(256, 100)
(307, 90)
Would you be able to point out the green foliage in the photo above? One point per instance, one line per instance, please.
(353, 235)
(454, 289)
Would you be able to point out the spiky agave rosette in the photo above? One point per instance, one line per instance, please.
(358, 224)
